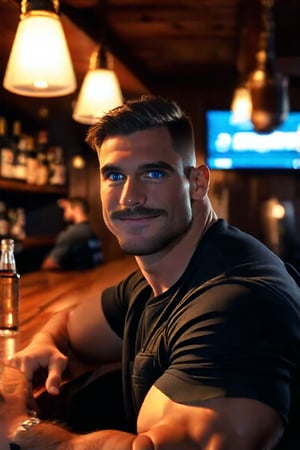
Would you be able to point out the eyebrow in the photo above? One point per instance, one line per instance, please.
(149, 166)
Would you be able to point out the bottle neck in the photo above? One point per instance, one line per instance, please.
(7, 260)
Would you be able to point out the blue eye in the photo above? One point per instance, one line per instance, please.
(115, 176)
(155, 174)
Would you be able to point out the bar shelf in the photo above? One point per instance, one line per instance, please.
(18, 186)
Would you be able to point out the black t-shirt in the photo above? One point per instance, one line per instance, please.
(230, 326)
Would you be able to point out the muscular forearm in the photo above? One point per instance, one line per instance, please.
(55, 331)
(48, 436)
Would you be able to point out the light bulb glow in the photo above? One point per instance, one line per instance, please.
(277, 211)
(78, 162)
(241, 105)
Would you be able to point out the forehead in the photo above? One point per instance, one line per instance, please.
(147, 145)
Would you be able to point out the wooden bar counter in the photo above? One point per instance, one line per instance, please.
(44, 293)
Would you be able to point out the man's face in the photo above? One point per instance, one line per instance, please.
(68, 213)
(145, 194)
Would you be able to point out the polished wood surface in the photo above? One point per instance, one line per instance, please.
(44, 293)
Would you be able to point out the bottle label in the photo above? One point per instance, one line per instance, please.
(9, 303)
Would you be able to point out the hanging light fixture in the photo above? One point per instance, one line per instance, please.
(241, 101)
(267, 86)
(100, 90)
(39, 64)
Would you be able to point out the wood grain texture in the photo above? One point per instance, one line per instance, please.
(44, 293)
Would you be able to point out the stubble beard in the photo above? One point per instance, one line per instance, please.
(150, 246)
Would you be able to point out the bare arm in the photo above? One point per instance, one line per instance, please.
(52, 437)
(217, 424)
(84, 330)
(183, 427)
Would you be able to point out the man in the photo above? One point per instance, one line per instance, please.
(208, 328)
(77, 247)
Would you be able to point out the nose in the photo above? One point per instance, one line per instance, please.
(132, 194)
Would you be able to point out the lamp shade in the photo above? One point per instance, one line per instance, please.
(100, 92)
(270, 100)
(267, 86)
(39, 64)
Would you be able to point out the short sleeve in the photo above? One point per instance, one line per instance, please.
(233, 341)
(116, 300)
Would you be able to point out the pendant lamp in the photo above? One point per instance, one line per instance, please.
(100, 90)
(39, 64)
(267, 86)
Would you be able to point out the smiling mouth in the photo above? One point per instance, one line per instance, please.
(138, 217)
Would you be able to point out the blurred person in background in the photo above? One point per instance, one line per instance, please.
(77, 247)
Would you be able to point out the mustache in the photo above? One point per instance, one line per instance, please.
(138, 211)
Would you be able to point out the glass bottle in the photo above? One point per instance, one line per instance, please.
(6, 152)
(9, 290)
(16, 133)
(42, 149)
(32, 162)
(4, 220)
(58, 168)
(3, 132)
(21, 160)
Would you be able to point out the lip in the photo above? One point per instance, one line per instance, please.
(137, 218)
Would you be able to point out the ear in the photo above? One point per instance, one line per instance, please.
(199, 182)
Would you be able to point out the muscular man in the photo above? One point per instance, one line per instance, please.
(208, 328)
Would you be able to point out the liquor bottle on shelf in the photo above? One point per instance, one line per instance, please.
(20, 170)
(4, 221)
(58, 168)
(9, 290)
(18, 224)
(32, 162)
(43, 165)
(6, 152)
(16, 133)
(3, 132)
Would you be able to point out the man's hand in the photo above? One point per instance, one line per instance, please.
(42, 355)
(14, 390)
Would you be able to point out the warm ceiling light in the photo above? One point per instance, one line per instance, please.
(100, 90)
(78, 162)
(39, 64)
(241, 105)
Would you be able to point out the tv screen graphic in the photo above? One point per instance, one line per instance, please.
(238, 146)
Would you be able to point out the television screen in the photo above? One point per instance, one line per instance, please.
(238, 146)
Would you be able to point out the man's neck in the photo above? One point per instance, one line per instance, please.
(163, 269)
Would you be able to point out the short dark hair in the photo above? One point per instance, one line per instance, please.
(145, 113)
